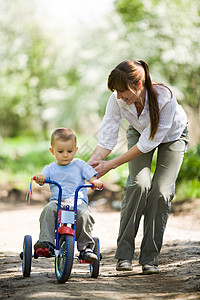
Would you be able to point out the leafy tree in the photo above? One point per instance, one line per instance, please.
(45, 83)
(166, 34)
(33, 80)
(26, 63)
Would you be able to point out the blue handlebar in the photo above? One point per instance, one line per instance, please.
(60, 191)
(59, 204)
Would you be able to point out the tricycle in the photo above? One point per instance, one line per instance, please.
(65, 237)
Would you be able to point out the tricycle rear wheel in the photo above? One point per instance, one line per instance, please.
(94, 267)
(27, 256)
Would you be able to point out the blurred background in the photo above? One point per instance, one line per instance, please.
(55, 59)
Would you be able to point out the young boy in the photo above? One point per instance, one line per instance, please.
(69, 172)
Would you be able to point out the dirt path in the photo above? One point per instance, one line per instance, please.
(179, 261)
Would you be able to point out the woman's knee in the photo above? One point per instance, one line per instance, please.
(142, 181)
(164, 193)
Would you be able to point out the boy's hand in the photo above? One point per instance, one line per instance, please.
(39, 178)
(97, 184)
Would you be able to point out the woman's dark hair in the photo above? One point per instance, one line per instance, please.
(126, 75)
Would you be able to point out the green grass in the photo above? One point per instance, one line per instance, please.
(21, 158)
(186, 190)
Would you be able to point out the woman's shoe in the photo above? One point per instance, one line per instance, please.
(149, 269)
(124, 265)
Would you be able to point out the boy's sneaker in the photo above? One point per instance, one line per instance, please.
(88, 255)
(149, 269)
(44, 249)
(124, 265)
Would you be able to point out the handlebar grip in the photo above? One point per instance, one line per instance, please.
(34, 178)
(93, 188)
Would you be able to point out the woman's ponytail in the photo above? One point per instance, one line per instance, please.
(152, 99)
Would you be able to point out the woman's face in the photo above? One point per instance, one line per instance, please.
(129, 97)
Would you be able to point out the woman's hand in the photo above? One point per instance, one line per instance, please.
(102, 167)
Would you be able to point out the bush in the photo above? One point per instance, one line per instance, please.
(187, 190)
(20, 159)
(190, 169)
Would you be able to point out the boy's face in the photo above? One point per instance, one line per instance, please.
(64, 151)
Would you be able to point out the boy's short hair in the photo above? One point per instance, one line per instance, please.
(63, 134)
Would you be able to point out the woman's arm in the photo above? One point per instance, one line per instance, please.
(99, 153)
(103, 167)
(132, 153)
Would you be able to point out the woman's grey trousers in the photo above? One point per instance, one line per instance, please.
(149, 197)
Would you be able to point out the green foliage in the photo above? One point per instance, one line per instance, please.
(165, 34)
(190, 169)
(26, 63)
(25, 165)
(131, 11)
(188, 182)
(33, 77)
(21, 158)
(48, 81)
(187, 189)
(45, 83)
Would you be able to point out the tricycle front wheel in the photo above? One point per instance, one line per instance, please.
(64, 261)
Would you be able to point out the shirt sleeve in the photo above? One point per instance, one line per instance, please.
(166, 119)
(109, 129)
(46, 172)
(87, 171)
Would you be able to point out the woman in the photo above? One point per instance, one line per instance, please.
(157, 121)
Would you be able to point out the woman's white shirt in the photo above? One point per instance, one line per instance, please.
(173, 121)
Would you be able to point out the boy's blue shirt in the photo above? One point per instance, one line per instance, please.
(69, 177)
